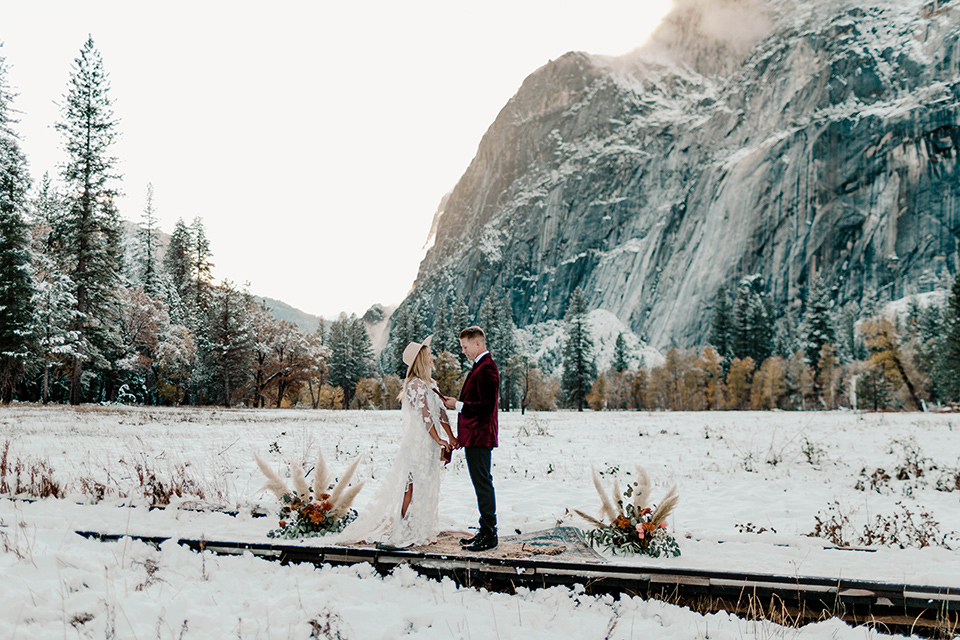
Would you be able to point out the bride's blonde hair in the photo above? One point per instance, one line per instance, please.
(419, 369)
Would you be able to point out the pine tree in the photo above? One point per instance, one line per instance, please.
(55, 340)
(721, 326)
(751, 326)
(225, 345)
(88, 234)
(621, 359)
(351, 354)
(16, 289)
(202, 267)
(785, 341)
(148, 236)
(579, 365)
(178, 260)
(361, 350)
(443, 340)
(851, 347)
(496, 319)
(817, 327)
(392, 356)
(948, 365)
(459, 320)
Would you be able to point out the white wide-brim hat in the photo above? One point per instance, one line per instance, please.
(412, 349)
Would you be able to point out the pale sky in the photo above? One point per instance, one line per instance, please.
(315, 139)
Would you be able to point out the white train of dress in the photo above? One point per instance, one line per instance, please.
(418, 463)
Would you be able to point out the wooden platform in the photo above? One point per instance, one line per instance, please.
(923, 609)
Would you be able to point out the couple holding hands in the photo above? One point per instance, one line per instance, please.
(404, 511)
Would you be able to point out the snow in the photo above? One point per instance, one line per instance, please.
(735, 472)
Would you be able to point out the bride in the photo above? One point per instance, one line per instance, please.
(403, 512)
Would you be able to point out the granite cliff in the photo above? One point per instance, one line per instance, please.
(779, 137)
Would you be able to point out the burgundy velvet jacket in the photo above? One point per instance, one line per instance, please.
(477, 424)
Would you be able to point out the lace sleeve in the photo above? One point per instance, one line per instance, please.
(416, 397)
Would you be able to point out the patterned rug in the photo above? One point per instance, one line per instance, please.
(564, 544)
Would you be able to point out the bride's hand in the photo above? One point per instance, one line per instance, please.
(454, 443)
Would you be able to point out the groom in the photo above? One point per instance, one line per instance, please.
(477, 430)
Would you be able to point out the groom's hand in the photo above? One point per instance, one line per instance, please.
(454, 443)
(449, 403)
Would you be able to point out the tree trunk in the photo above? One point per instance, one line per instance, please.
(45, 394)
(75, 391)
(910, 388)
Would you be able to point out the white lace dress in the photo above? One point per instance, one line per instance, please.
(418, 463)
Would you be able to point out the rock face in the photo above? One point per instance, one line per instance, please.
(784, 138)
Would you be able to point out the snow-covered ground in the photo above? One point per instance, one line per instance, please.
(737, 473)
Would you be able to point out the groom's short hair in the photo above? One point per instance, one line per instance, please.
(472, 333)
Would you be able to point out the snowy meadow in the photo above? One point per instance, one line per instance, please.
(879, 491)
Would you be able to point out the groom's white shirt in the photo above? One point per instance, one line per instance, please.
(473, 363)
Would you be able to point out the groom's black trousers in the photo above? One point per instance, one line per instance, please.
(478, 462)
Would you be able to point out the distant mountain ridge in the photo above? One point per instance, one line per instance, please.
(787, 138)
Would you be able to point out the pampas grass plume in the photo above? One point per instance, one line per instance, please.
(341, 507)
(275, 483)
(641, 496)
(299, 480)
(322, 477)
(344, 481)
(606, 507)
(666, 506)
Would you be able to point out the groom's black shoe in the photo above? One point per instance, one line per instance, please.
(484, 541)
(467, 541)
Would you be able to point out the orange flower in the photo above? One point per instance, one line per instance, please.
(324, 496)
(622, 522)
(283, 523)
(314, 514)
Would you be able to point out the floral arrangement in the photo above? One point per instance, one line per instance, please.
(634, 525)
(308, 511)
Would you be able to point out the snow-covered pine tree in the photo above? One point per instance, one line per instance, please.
(225, 345)
(751, 327)
(16, 287)
(351, 354)
(338, 362)
(443, 336)
(579, 364)
(721, 325)
(361, 350)
(55, 309)
(87, 235)
(850, 344)
(46, 207)
(621, 358)
(817, 329)
(948, 364)
(148, 237)
(785, 340)
(496, 319)
(459, 320)
(178, 261)
(202, 268)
